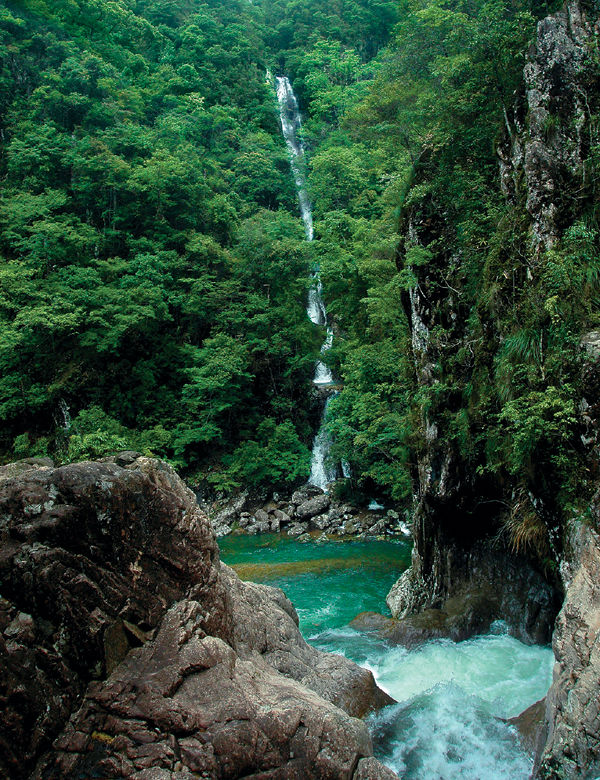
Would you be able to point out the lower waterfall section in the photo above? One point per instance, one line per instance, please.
(321, 472)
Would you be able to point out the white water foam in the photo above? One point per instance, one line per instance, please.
(453, 699)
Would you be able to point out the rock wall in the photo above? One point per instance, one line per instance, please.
(458, 550)
(569, 743)
(128, 650)
(547, 142)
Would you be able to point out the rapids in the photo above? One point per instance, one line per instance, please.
(452, 698)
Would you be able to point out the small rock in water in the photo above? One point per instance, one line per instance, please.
(297, 529)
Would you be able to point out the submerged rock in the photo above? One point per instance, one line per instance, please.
(128, 645)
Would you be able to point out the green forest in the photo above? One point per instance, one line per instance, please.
(154, 270)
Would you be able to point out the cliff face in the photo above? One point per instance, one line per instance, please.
(128, 650)
(461, 515)
(569, 742)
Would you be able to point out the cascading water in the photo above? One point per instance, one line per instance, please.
(320, 473)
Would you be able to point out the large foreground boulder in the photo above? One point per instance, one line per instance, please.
(128, 650)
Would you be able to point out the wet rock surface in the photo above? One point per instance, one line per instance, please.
(473, 588)
(459, 617)
(126, 643)
(529, 724)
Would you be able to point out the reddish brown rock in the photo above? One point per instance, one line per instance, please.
(92, 556)
(191, 702)
(529, 723)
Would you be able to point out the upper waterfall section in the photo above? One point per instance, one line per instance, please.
(290, 126)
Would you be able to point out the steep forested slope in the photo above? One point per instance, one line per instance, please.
(460, 294)
(154, 270)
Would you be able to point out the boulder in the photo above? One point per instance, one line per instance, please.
(261, 516)
(245, 520)
(283, 517)
(305, 493)
(84, 550)
(351, 527)
(265, 627)
(378, 528)
(320, 522)
(259, 527)
(190, 700)
(313, 506)
(297, 528)
(127, 650)
(223, 519)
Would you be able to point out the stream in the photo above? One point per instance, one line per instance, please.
(451, 697)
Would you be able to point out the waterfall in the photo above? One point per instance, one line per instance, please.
(66, 416)
(320, 474)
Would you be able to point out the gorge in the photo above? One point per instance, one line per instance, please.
(163, 318)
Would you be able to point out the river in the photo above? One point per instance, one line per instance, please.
(452, 697)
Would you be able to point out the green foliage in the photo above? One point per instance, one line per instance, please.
(275, 457)
(538, 425)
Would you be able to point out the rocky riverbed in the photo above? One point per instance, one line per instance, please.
(307, 514)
